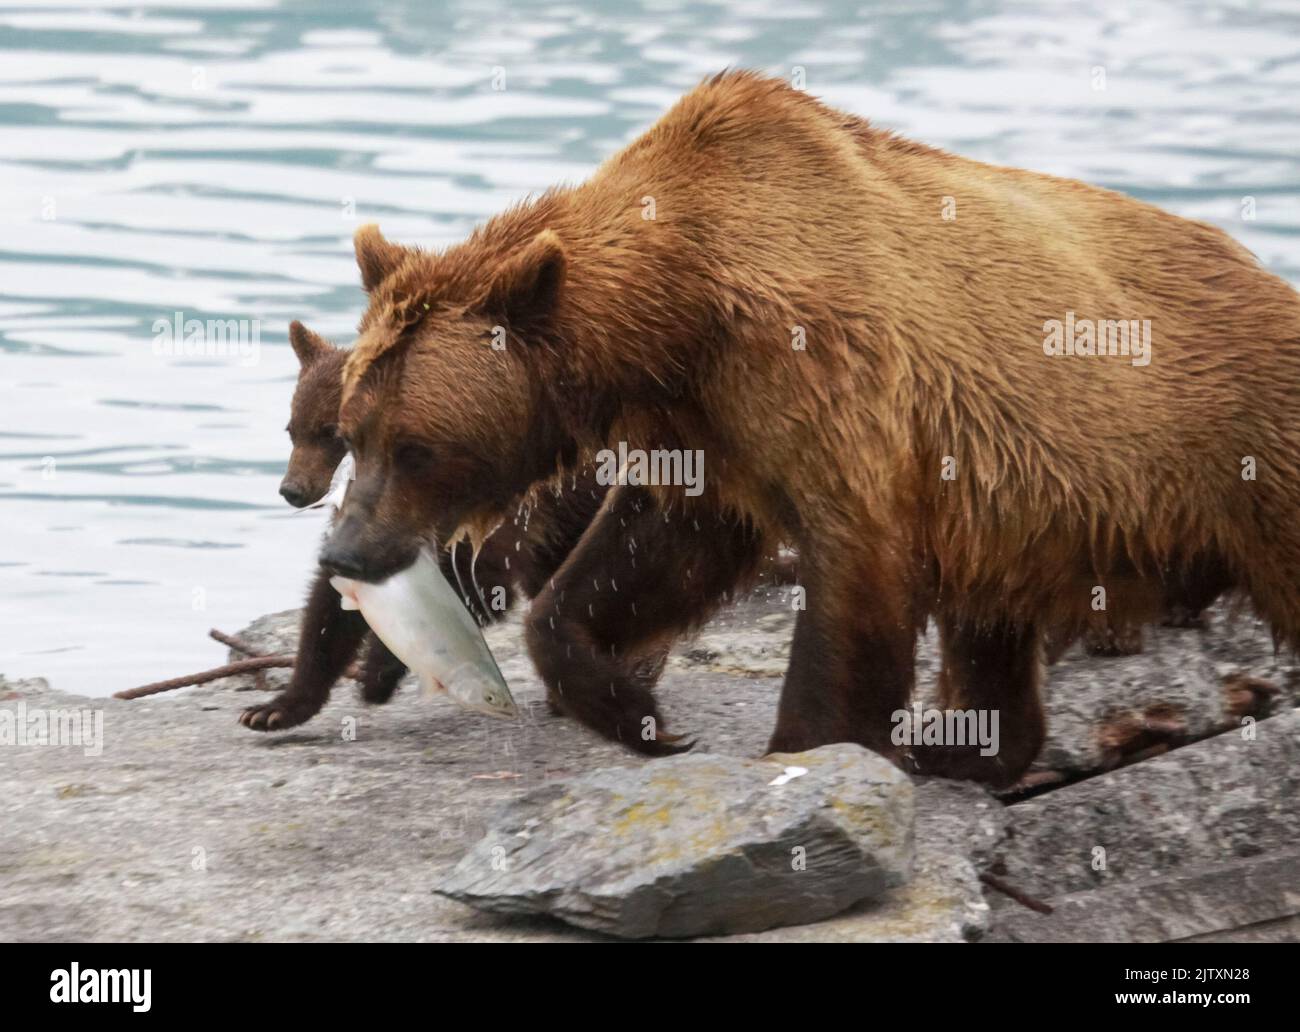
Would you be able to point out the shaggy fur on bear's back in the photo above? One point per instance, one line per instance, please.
(922, 450)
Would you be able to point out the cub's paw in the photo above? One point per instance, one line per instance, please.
(281, 713)
(378, 689)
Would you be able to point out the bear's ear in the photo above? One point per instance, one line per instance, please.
(307, 346)
(376, 257)
(526, 286)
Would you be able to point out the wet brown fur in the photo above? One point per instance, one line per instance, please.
(924, 342)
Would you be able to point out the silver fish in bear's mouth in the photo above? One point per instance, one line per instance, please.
(419, 616)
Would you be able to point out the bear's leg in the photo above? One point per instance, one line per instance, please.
(989, 669)
(381, 674)
(1057, 641)
(852, 659)
(329, 638)
(1193, 589)
(552, 529)
(600, 630)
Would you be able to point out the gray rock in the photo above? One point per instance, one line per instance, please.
(1223, 798)
(1199, 903)
(1100, 708)
(698, 845)
(1283, 929)
(1097, 705)
(274, 632)
(1239, 643)
(957, 827)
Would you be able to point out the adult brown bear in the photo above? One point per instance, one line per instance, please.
(863, 336)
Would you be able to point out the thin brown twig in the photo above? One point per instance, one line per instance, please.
(1023, 898)
(354, 670)
(238, 644)
(240, 666)
(256, 662)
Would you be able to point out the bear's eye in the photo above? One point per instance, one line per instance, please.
(328, 432)
(413, 455)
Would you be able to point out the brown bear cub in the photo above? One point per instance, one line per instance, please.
(527, 552)
(863, 337)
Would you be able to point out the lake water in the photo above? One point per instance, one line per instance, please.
(213, 159)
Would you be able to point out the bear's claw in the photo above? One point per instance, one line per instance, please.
(663, 744)
(277, 715)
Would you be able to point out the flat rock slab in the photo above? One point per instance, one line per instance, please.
(1201, 902)
(1233, 796)
(698, 845)
(1173, 691)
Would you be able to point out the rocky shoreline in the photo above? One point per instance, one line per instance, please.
(1164, 806)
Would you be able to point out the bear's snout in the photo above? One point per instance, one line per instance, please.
(294, 493)
(363, 552)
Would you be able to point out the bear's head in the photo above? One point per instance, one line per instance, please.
(313, 418)
(443, 407)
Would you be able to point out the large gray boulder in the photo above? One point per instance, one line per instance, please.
(698, 845)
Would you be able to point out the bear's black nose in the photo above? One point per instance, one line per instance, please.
(293, 493)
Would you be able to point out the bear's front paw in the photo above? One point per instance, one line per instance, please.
(282, 712)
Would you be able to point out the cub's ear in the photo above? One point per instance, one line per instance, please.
(376, 257)
(307, 346)
(526, 286)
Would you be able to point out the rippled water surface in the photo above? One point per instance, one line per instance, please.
(213, 159)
